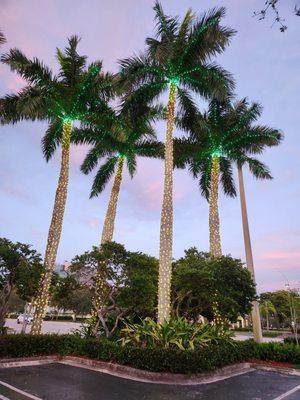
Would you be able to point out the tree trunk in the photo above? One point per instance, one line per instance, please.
(109, 222)
(256, 322)
(267, 317)
(107, 233)
(166, 222)
(214, 221)
(4, 297)
(54, 231)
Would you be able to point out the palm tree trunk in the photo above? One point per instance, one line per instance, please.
(4, 297)
(109, 222)
(267, 317)
(256, 322)
(54, 231)
(107, 233)
(214, 220)
(166, 222)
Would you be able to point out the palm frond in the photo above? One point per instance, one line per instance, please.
(33, 71)
(71, 63)
(103, 175)
(258, 169)
(52, 138)
(227, 177)
(2, 38)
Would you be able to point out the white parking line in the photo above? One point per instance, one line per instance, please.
(286, 394)
(30, 396)
(3, 397)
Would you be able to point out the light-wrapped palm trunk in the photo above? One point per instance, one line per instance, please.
(214, 226)
(214, 220)
(166, 222)
(249, 257)
(54, 231)
(108, 231)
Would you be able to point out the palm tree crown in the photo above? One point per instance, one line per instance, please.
(128, 133)
(225, 131)
(179, 54)
(75, 94)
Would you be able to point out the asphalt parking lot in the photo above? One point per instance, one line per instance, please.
(58, 381)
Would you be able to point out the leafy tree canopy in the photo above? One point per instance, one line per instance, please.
(20, 268)
(200, 280)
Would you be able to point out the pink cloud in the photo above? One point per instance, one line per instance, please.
(92, 222)
(281, 255)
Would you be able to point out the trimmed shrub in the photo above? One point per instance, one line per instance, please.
(157, 360)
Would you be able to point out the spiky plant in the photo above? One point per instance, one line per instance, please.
(77, 93)
(177, 61)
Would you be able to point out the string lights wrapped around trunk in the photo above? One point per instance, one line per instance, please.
(214, 221)
(107, 235)
(166, 224)
(54, 233)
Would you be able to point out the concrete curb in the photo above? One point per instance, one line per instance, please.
(125, 372)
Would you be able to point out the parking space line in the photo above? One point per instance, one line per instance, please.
(29, 396)
(286, 394)
(3, 397)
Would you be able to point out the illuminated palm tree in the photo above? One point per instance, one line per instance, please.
(220, 138)
(128, 135)
(177, 60)
(77, 93)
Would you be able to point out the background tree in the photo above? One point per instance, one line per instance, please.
(20, 271)
(267, 308)
(62, 291)
(177, 60)
(129, 284)
(76, 94)
(200, 281)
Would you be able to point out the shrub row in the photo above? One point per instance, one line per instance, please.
(157, 360)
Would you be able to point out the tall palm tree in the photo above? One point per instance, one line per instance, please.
(128, 134)
(77, 93)
(220, 138)
(267, 308)
(177, 60)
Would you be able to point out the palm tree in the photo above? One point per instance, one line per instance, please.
(219, 138)
(128, 135)
(177, 59)
(267, 308)
(77, 93)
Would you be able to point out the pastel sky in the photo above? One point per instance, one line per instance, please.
(265, 64)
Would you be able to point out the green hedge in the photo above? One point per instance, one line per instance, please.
(158, 360)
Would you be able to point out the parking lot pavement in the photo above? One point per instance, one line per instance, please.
(53, 381)
(60, 327)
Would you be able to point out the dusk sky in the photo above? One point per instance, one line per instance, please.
(265, 64)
